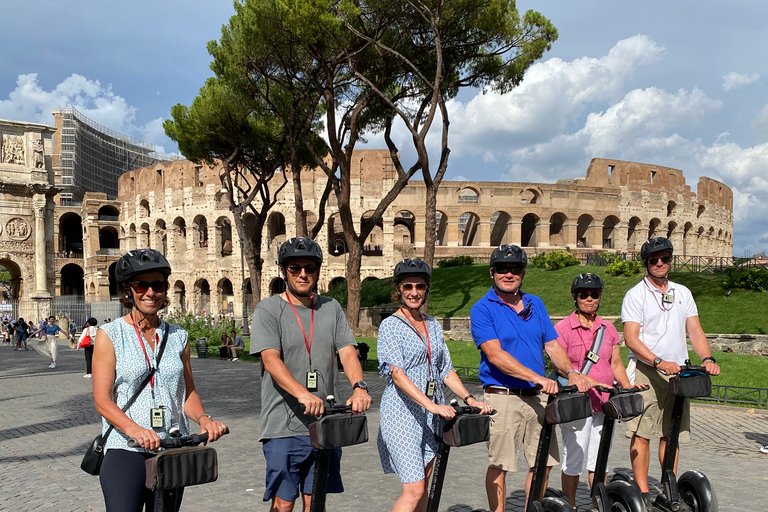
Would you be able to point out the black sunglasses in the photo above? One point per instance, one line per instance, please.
(410, 286)
(144, 286)
(296, 269)
(506, 270)
(526, 313)
(594, 294)
(664, 259)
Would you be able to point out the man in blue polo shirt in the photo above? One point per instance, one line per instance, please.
(513, 330)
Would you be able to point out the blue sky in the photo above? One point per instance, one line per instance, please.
(678, 84)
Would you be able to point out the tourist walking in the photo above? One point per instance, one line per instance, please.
(414, 359)
(46, 342)
(90, 330)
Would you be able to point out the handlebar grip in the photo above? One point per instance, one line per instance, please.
(133, 443)
(538, 387)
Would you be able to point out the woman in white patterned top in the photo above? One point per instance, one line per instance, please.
(125, 352)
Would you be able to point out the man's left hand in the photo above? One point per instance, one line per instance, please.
(360, 400)
(711, 368)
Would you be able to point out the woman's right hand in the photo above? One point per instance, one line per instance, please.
(148, 439)
(444, 411)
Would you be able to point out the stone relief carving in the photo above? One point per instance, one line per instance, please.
(17, 229)
(39, 154)
(13, 149)
(16, 246)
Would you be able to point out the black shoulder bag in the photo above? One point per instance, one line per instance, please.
(95, 454)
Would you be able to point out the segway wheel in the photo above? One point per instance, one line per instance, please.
(627, 477)
(556, 505)
(625, 497)
(555, 493)
(696, 491)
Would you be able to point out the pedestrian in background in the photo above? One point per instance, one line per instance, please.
(89, 329)
(46, 342)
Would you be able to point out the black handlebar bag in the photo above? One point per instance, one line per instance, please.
(623, 407)
(565, 408)
(175, 468)
(690, 385)
(338, 430)
(467, 429)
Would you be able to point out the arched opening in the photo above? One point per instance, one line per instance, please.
(226, 295)
(72, 280)
(161, 237)
(529, 196)
(201, 230)
(633, 234)
(275, 229)
(11, 280)
(249, 299)
(671, 207)
(224, 242)
(499, 222)
(528, 233)
(203, 292)
(277, 285)
(112, 280)
(70, 235)
(336, 281)
(404, 227)
(109, 213)
(582, 230)
(609, 232)
(653, 228)
(370, 278)
(109, 242)
(180, 296)
(144, 211)
(686, 237)
(671, 229)
(375, 240)
(131, 245)
(143, 242)
(557, 231)
(468, 195)
(336, 243)
(700, 211)
(468, 222)
(441, 226)
(179, 234)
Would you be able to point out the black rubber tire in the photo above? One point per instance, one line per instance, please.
(696, 491)
(627, 477)
(625, 497)
(553, 504)
(555, 493)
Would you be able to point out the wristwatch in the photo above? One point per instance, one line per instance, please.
(656, 362)
(709, 358)
(467, 398)
(361, 384)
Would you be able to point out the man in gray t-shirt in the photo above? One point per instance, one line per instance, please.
(297, 335)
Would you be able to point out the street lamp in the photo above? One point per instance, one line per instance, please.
(339, 246)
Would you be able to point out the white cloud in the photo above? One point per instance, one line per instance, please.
(735, 80)
(458, 178)
(760, 125)
(30, 102)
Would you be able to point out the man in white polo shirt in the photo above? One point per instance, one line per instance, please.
(656, 314)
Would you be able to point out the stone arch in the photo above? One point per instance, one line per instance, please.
(654, 228)
(700, 211)
(72, 282)
(441, 227)
(275, 229)
(70, 234)
(223, 236)
(16, 288)
(277, 285)
(405, 227)
(468, 222)
(370, 278)
(226, 293)
(375, 240)
(108, 239)
(557, 234)
(529, 236)
(687, 237)
(201, 230)
(203, 296)
(530, 196)
(144, 210)
(336, 243)
(468, 195)
(671, 227)
(609, 231)
(112, 280)
(336, 281)
(671, 205)
(179, 300)
(499, 223)
(131, 242)
(583, 226)
(109, 212)
(143, 241)
(161, 236)
(634, 238)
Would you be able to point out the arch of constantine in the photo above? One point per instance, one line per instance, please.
(179, 208)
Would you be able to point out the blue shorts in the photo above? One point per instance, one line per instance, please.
(291, 466)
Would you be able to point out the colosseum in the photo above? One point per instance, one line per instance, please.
(180, 208)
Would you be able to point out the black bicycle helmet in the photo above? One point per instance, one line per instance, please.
(656, 244)
(138, 262)
(586, 281)
(412, 268)
(299, 248)
(509, 254)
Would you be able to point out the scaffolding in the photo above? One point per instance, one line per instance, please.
(93, 157)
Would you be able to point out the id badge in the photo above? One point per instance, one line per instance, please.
(593, 357)
(668, 298)
(430, 389)
(311, 381)
(156, 414)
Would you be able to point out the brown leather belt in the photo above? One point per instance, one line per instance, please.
(497, 390)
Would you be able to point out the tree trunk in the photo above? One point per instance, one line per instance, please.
(354, 284)
(430, 227)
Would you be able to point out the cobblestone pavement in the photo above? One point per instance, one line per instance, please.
(47, 419)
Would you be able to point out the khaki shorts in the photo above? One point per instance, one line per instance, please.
(656, 420)
(517, 422)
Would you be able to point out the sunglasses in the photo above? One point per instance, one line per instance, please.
(410, 286)
(296, 269)
(506, 270)
(144, 286)
(595, 295)
(664, 259)
(526, 313)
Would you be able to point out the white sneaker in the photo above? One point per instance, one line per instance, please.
(87, 376)
(52, 366)
(764, 449)
(233, 359)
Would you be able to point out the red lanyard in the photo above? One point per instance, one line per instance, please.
(426, 331)
(146, 356)
(307, 344)
(655, 299)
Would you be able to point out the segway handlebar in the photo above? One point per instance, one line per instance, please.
(176, 441)
(622, 391)
(332, 407)
(466, 409)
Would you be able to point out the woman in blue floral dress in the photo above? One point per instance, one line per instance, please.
(414, 359)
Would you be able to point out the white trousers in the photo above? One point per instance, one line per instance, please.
(581, 438)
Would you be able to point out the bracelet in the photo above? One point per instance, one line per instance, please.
(572, 371)
(467, 398)
(201, 417)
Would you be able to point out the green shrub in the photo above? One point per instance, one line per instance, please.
(623, 268)
(376, 292)
(458, 261)
(749, 278)
(555, 260)
(203, 327)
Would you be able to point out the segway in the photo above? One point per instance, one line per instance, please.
(466, 428)
(692, 492)
(338, 426)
